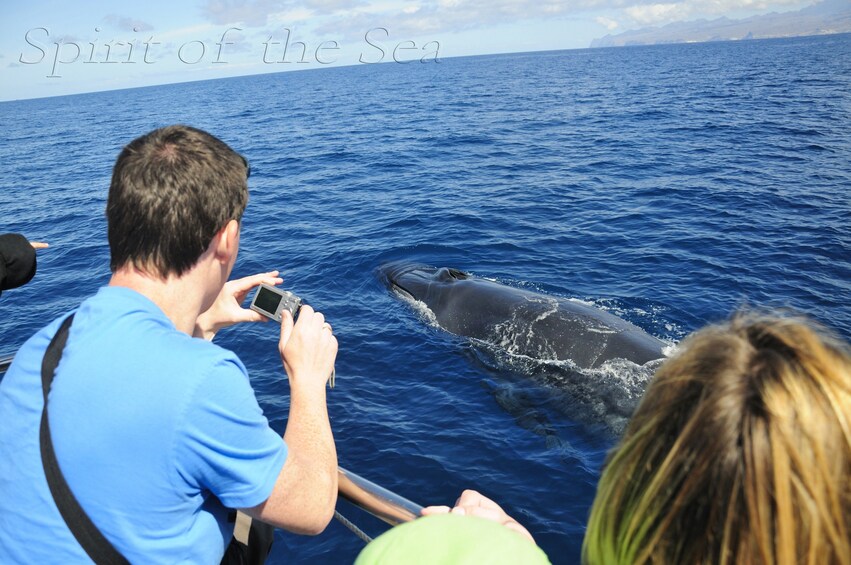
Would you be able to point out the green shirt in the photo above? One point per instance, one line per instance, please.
(451, 539)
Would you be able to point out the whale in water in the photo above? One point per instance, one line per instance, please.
(522, 322)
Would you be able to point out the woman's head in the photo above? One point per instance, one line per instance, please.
(740, 452)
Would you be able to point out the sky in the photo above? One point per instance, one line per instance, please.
(53, 48)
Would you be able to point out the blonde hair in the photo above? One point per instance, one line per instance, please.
(740, 452)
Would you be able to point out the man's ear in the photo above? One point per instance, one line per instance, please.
(227, 241)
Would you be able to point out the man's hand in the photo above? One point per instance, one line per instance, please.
(308, 348)
(227, 310)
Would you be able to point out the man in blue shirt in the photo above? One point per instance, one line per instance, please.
(156, 429)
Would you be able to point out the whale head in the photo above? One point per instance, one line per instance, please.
(419, 282)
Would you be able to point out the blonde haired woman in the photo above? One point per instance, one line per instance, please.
(740, 452)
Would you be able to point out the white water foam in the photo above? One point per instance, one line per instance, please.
(419, 307)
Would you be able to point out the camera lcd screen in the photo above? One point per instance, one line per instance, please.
(267, 300)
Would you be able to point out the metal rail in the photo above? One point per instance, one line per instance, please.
(378, 501)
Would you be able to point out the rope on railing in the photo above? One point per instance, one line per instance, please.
(376, 500)
(351, 526)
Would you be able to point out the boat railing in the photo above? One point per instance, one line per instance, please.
(360, 492)
(376, 500)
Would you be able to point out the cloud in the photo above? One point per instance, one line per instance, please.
(405, 18)
(186, 33)
(128, 24)
(290, 17)
(252, 13)
(655, 13)
(352, 18)
(330, 6)
(607, 23)
(424, 14)
(662, 13)
(259, 13)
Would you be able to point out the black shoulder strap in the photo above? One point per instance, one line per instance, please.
(98, 548)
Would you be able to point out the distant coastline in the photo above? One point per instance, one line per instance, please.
(825, 18)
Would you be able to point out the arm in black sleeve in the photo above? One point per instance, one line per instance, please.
(17, 261)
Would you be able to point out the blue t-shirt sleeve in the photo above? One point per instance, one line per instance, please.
(225, 445)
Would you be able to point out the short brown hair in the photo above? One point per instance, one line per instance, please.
(740, 452)
(172, 190)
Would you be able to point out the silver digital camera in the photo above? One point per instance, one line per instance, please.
(270, 302)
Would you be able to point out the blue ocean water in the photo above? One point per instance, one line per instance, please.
(666, 184)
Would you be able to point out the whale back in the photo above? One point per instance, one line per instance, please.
(536, 325)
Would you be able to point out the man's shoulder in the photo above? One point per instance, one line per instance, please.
(120, 328)
(124, 322)
(30, 354)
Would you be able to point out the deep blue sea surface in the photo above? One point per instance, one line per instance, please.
(668, 185)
